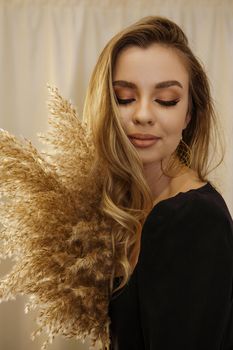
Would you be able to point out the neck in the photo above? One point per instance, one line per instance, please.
(161, 185)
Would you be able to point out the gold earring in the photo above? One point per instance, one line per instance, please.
(184, 153)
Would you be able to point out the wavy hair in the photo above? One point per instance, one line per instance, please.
(126, 196)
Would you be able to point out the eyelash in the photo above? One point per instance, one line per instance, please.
(161, 102)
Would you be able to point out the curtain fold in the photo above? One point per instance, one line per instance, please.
(58, 42)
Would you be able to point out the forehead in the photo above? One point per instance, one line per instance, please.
(150, 65)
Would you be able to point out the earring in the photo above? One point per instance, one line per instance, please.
(184, 153)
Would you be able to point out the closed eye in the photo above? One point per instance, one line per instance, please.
(161, 102)
(124, 101)
(167, 103)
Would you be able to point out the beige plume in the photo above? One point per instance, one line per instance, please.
(54, 230)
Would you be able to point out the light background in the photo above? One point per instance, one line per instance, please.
(58, 42)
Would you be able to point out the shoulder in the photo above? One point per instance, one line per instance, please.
(199, 213)
(205, 214)
(203, 205)
(192, 226)
(205, 200)
(200, 203)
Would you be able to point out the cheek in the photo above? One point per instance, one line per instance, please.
(125, 116)
(173, 122)
(171, 126)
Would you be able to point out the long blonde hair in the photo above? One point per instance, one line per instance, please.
(126, 196)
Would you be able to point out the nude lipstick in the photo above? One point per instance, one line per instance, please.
(143, 140)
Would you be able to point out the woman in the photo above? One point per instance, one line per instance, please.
(129, 232)
(153, 121)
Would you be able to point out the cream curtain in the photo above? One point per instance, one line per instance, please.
(58, 41)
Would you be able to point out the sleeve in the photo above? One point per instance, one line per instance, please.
(185, 280)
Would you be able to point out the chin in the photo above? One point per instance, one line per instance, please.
(150, 160)
(153, 159)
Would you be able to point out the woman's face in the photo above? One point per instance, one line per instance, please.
(151, 87)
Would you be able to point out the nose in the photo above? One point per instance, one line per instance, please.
(144, 114)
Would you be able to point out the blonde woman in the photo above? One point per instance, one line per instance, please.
(151, 114)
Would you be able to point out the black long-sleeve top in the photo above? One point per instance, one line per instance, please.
(179, 295)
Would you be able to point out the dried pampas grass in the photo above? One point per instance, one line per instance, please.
(54, 230)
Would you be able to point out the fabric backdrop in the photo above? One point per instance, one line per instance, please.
(58, 42)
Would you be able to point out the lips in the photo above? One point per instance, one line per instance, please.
(143, 140)
(143, 136)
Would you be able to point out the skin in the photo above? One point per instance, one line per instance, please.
(145, 114)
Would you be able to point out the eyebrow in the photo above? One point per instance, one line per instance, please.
(160, 85)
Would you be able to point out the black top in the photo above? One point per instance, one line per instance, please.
(179, 295)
